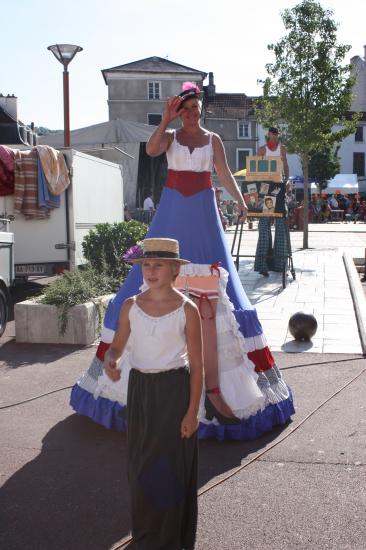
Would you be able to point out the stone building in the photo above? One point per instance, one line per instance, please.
(352, 151)
(232, 117)
(137, 91)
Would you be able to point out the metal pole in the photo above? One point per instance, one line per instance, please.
(67, 144)
(66, 108)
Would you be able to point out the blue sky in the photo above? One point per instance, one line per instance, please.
(227, 37)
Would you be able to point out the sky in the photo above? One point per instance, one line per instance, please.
(227, 37)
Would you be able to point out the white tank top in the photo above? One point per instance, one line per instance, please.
(275, 153)
(157, 343)
(180, 158)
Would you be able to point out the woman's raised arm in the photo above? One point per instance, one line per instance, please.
(160, 139)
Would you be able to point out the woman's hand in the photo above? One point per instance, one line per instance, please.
(189, 425)
(243, 212)
(171, 111)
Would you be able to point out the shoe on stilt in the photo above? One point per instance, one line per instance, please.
(212, 412)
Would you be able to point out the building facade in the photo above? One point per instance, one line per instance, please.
(352, 151)
(232, 117)
(137, 91)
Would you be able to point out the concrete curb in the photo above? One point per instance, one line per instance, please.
(358, 297)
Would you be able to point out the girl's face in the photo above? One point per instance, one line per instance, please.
(159, 273)
(190, 111)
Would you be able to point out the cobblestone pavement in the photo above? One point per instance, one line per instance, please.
(321, 287)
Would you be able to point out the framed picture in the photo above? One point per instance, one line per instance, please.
(251, 200)
(269, 204)
(263, 188)
(252, 187)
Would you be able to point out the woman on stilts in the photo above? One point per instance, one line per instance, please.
(244, 393)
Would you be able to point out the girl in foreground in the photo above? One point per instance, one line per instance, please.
(163, 331)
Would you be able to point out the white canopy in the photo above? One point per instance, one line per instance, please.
(314, 187)
(343, 183)
(117, 141)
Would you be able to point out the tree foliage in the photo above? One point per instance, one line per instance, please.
(308, 91)
(324, 165)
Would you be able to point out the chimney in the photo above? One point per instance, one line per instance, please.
(364, 50)
(10, 105)
(211, 88)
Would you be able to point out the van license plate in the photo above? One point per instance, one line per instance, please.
(29, 269)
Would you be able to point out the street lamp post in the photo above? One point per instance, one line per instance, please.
(65, 53)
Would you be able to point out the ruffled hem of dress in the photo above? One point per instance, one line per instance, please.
(111, 415)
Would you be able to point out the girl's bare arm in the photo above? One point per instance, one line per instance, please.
(195, 354)
(119, 342)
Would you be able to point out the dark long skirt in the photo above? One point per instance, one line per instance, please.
(162, 467)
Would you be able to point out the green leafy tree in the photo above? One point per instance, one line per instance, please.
(324, 165)
(308, 91)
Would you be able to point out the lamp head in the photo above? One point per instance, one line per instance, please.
(64, 53)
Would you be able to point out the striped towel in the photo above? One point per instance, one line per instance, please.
(26, 185)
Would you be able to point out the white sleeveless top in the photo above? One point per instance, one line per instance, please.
(275, 153)
(180, 158)
(157, 343)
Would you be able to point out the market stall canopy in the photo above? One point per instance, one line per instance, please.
(298, 183)
(241, 173)
(113, 131)
(342, 183)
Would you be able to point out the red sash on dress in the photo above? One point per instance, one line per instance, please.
(187, 182)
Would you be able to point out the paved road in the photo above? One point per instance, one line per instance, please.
(63, 478)
(63, 481)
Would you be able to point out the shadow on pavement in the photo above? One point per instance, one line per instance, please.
(24, 355)
(74, 494)
(217, 458)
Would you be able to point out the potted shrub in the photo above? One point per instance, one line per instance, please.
(71, 308)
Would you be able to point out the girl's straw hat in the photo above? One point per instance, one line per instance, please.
(159, 249)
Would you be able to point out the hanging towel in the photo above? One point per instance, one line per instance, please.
(54, 168)
(7, 164)
(26, 185)
(7, 157)
(45, 199)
